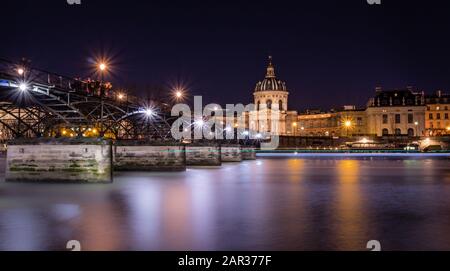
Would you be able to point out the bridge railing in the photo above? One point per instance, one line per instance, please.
(9, 70)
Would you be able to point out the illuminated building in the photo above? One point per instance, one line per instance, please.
(348, 121)
(396, 112)
(437, 114)
(271, 101)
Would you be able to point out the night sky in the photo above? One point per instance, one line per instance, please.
(330, 53)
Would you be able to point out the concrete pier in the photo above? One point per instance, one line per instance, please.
(136, 156)
(231, 153)
(59, 160)
(203, 155)
(248, 153)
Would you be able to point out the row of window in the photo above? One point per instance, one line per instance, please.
(269, 105)
(438, 125)
(438, 116)
(328, 123)
(398, 119)
(398, 132)
(437, 108)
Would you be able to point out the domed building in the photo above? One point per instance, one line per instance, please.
(271, 104)
(271, 93)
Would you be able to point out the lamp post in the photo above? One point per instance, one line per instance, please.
(294, 126)
(102, 68)
(416, 125)
(348, 125)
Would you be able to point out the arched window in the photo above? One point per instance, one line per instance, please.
(398, 131)
(411, 132)
(269, 104)
(385, 132)
(280, 105)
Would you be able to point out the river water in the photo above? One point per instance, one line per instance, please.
(283, 203)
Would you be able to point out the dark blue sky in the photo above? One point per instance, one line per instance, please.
(330, 53)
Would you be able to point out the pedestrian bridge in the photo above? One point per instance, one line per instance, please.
(37, 103)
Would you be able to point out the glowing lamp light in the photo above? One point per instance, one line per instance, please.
(303, 128)
(120, 96)
(102, 66)
(23, 86)
(149, 112)
(364, 141)
(416, 123)
(448, 128)
(20, 71)
(178, 94)
(348, 123)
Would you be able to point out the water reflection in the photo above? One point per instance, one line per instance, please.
(350, 215)
(268, 204)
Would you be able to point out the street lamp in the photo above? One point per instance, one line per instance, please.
(179, 94)
(149, 112)
(120, 96)
(347, 125)
(416, 125)
(102, 66)
(23, 86)
(20, 71)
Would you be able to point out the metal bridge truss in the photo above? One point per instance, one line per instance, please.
(39, 103)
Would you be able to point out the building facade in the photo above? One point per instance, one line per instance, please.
(437, 114)
(396, 112)
(348, 121)
(271, 113)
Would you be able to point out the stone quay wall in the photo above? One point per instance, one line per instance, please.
(248, 153)
(203, 155)
(231, 153)
(59, 160)
(149, 158)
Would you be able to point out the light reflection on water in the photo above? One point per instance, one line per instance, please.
(268, 204)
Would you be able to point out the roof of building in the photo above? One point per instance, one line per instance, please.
(438, 98)
(271, 83)
(396, 97)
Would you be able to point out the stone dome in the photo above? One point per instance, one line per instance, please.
(271, 83)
